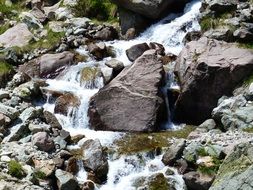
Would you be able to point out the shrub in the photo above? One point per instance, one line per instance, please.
(5, 67)
(15, 169)
(99, 9)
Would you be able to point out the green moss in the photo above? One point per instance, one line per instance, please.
(5, 68)
(3, 28)
(99, 9)
(12, 11)
(15, 169)
(149, 141)
(39, 175)
(248, 130)
(202, 152)
(49, 42)
(208, 22)
(246, 45)
(212, 170)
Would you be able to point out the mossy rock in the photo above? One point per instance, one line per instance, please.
(89, 75)
(154, 182)
(148, 141)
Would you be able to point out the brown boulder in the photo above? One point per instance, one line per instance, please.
(48, 65)
(208, 69)
(136, 51)
(98, 50)
(65, 102)
(131, 101)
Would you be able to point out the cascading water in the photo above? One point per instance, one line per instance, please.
(124, 170)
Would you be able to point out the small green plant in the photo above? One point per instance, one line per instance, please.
(39, 175)
(5, 67)
(15, 169)
(202, 152)
(99, 9)
(212, 170)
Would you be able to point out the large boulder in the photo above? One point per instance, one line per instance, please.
(131, 101)
(18, 35)
(236, 170)
(153, 9)
(43, 141)
(208, 69)
(48, 65)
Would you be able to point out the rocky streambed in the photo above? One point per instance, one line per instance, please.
(84, 107)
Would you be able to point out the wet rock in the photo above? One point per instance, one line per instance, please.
(65, 180)
(106, 34)
(174, 152)
(160, 50)
(150, 9)
(136, 51)
(195, 181)
(89, 77)
(145, 76)
(65, 103)
(116, 65)
(236, 169)
(72, 166)
(130, 34)
(43, 141)
(18, 35)
(52, 120)
(107, 74)
(48, 65)
(155, 181)
(98, 50)
(192, 36)
(95, 159)
(88, 185)
(130, 20)
(208, 69)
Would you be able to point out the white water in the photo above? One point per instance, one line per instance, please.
(124, 170)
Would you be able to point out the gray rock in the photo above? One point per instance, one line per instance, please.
(10, 112)
(48, 65)
(106, 34)
(194, 180)
(208, 69)
(27, 91)
(98, 50)
(107, 74)
(208, 125)
(116, 65)
(31, 113)
(65, 180)
(52, 120)
(236, 170)
(190, 153)
(43, 141)
(134, 90)
(18, 35)
(174, 152)
(30, 20)
(95, 159)
(17, 132)
(149, 8)
(136, 51)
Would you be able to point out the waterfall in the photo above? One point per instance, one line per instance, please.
(125, 169)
